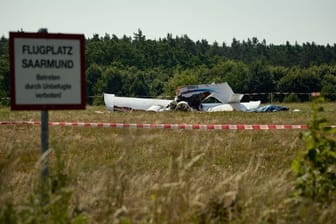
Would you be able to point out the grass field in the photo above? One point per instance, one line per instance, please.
(161, 176)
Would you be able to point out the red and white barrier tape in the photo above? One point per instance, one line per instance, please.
(167, 126)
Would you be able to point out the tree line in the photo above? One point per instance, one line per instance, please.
(137, 66)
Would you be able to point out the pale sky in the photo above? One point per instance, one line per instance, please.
(276, 21)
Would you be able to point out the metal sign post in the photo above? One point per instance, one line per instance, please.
(44, 142)
(44, 166)
(44, 172)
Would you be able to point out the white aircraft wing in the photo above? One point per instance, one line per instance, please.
(133, 103)
(218, 107)
(246, 106)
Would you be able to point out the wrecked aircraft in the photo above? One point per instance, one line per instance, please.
(203, 97)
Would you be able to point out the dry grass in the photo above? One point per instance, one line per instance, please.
(166, 176)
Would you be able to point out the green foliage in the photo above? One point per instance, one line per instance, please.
(329, 86)
(93, 74)
(315, 168)
(138, 85)
(291, 98)
(137, 66)
(110, 81)
(8, 213)
(180, 78)
(300, 81)
(4, 79)
(48, 203)
(233, 72)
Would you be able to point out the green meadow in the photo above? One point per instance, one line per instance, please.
(114, 175)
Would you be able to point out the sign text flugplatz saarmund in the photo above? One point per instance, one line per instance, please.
(47, 71)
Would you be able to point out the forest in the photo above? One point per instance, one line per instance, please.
(137, 66)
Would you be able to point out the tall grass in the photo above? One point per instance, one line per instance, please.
(105, 175)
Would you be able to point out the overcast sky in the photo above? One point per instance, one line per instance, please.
(276, 21)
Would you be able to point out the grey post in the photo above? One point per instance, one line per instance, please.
(44, 143)
(44, 133)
